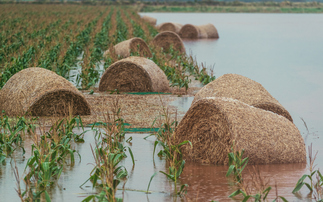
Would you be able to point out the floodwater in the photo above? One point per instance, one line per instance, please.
(283, 52)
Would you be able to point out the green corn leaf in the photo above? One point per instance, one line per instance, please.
(235, 193)
(298, 187)
(230, 170)
(151, 178)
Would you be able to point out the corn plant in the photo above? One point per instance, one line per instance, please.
(11, 135)
(108, 153)
(315, 177)
(236, 166)
(166, 138)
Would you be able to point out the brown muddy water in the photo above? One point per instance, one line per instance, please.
(283, 52)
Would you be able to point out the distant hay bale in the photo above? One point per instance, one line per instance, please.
(133, 45)
(244, 89)
(210, 30)
(212, 125)
(167, 39)
(40, 92)
(134, 74)
(196, 32)
(169, 26)
(150, 20)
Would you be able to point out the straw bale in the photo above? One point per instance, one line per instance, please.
(133, 45)
(167, 39)
(189, 31)
(244, 89)
(210, 30)
(213, 124)
(150, 20)
(134, 74)
(195, 32)
(169, 26)
(41, 92)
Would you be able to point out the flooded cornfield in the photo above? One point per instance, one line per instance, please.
(283, 52)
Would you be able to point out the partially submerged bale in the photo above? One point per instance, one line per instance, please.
(210, 30)
(134, 74)
(150, 20)
(169, 26)
(41, 92)
(244, 89)
(214, 124)
(134, 45)
(190, 31)
(166, 40)
(195, 32)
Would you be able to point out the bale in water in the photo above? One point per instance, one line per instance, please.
(134, 74)
(133, 45)
(150, 20)
(167, 39)
(244, 89)
(213, 124)
(196, 32)
(169, 26)
(41, 92)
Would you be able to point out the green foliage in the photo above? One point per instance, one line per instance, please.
(108, 153)
(236, 166)
(11, 135)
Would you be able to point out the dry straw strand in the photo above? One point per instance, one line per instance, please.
(212, 125)
(41, 92)
(167, 39)
(244, 89)
(134, 74)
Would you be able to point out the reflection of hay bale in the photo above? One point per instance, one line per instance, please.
(150, 20)
(134, 45)
(42, 93)
(213, 124)
(169, 26)
(245, 90)
(134, 74)
(167, 39)
(195, 32)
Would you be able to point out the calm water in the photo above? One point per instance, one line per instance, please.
(283, 52)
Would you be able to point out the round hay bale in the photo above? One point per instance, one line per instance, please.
(134, 74)
(244, 89)
(169, 26)
(210, 30)
(195, 32)
(213, 124)
(167, 39)
(150, 20)
(189, 31)
(133, 45)
(41, 92)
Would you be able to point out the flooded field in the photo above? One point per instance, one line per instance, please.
(280, 51)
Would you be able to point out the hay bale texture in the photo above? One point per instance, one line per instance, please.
(41, 92)
(212, 125)
(133, 45)
(169, 26)
(134, 74)
(244, 89)
(198, 32)
(150, 20)
(167, 39)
